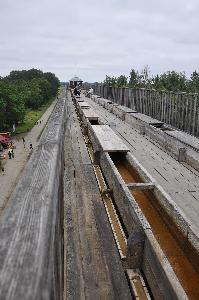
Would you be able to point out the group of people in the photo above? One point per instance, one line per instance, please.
(11, 150)
(38, 122)
(11, 153)
(77, 91)
(3, 156)
(90, 92)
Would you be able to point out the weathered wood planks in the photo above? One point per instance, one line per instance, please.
(83, 104)
(90, 114)
(146, 119)
(92, 265)
(185, 138)
(31, 230)
(108, 140)
(180, 110)
(180, 181)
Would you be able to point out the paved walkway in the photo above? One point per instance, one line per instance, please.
(181, 182)
(13, 167)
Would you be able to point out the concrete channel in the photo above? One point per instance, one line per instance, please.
(160, 242)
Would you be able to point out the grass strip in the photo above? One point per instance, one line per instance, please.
(31, 117)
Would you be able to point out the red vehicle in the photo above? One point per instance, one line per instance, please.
(5, 134)
(5, 138)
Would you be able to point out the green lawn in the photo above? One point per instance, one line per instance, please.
(31, 117)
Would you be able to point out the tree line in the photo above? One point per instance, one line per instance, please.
(22, 90)
(168, 81)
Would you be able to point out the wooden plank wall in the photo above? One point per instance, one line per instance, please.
(31, 230)
(180, 110)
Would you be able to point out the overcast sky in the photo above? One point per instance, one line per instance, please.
(92, 38)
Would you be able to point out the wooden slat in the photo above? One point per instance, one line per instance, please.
(108, 140)
(141, 186)
(83, 104)
(147, 119)
(185, 138)
(90, 114)
(126, 109)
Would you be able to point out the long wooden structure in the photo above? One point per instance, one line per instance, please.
(180, 110)
(31, 229)
(101, 212)
(93, 269)
(159, 155)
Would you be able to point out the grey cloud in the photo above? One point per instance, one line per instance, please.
(94, 38)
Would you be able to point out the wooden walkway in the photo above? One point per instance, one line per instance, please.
(180, 181)
(93, 269)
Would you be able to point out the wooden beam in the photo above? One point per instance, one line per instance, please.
(108, 140)
(141, 186)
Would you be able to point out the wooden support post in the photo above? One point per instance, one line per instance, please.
(194, 114)
(182, 154)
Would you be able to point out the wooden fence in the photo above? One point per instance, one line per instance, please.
(180, 110)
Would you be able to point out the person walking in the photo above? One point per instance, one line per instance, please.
(24, 142)
(9, 154)
(1, 164)
(12, 152)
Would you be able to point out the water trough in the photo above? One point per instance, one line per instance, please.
(161, 242)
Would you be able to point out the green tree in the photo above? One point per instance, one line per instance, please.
(172, 81)
(53, 81)
(194, 82)
(24, 89)
(12, 107)
(110, 81)
(122, 81)
(133, 78)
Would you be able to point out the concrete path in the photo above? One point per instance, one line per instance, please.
(180, 181)
(13, 167)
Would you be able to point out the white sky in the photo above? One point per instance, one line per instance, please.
(90, 38)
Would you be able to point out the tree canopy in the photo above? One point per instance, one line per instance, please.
(22, 90)
(168, 81)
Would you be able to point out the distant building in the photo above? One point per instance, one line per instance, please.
(75, 81)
